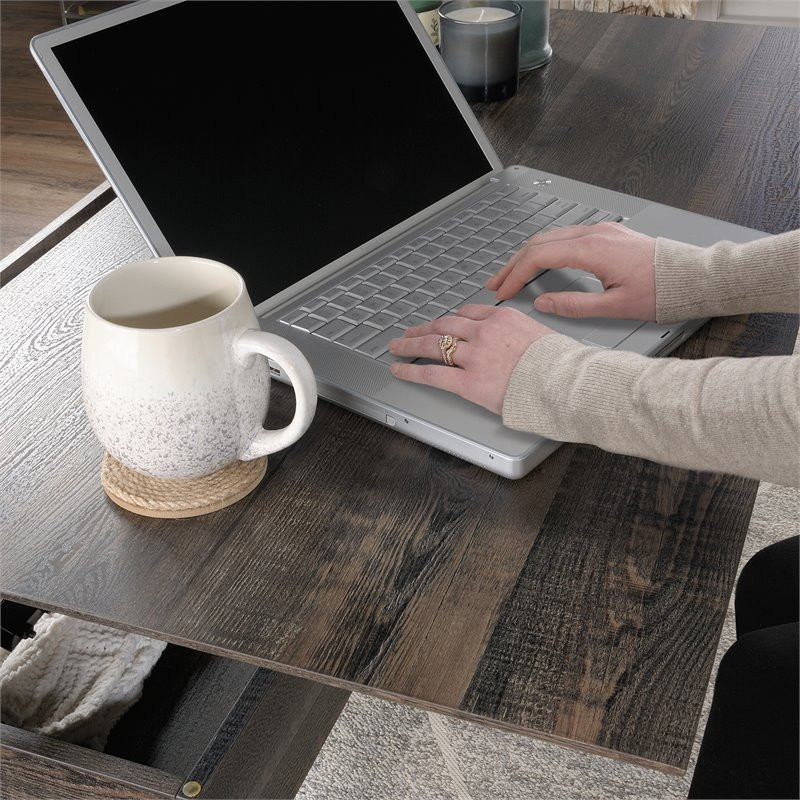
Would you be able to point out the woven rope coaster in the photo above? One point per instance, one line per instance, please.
(174, 499)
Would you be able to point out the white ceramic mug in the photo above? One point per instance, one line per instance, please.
(172, 384)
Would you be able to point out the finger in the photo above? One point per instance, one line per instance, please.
(452, 325)
(448, 378)
(578, 252)
(560, 234)
(610, 303)
(421, 347)
(476, 311)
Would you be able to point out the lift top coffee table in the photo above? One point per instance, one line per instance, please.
(582, 604)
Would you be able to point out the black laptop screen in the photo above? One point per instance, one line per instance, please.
(274, 136)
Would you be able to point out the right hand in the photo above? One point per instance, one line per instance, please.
(622, 259)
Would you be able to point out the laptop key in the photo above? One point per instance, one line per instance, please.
(529, 228)
(333, 330)
(429, 311)
(292, 316)
(435, 287)
(558, 208)
(467, 267)
(392, 293)
(412, 320)
(356, 315)
(367, 273)
(379, 344)
(482, 257)
(347, 284)
(511, 239)
(380, 281)
(364, 291)
(409, 283)
(476, 223)
(463, 290)
(479, 278)
(505, 224)
(417, 299)
(447, 300)
(355, 337)
(430, 250)
(312, 305)
(381, 320)
(460, 232)
(374, 304)
(308, 324)
(413, 260)
(451, 277)
(520, 196)
(495, 248)
(326, 313)
(492, 213)
(401, 308)
(442, 262)
(459, 253)
(576, 215)
(396, 271)
(346, 301)
(488, 234)
(446, 240)
(473, 243)
(426, 273)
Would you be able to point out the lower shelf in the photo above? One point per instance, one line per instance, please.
(205, 727)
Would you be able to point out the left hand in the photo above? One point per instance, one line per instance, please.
(491, 342)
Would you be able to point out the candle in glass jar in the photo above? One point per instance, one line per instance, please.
(480, 14)
(480, 46)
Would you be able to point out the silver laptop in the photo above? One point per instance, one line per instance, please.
(324, 151)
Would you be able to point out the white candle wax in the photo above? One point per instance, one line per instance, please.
(480, 14)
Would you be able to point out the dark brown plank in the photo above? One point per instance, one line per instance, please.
(33, 766)
(697, 115)
(551, 605)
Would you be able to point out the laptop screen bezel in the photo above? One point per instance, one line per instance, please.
(42, 47)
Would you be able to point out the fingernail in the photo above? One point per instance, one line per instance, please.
(543, 304)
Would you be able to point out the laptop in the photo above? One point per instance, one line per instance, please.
(324, 151)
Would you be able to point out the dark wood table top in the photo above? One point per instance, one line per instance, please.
(583, 603)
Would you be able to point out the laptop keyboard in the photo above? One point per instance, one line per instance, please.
(436, 273)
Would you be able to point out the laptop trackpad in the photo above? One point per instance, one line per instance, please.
(595, 331)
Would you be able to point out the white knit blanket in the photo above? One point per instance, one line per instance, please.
(74, 679)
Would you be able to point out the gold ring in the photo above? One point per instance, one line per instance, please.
(448, 345)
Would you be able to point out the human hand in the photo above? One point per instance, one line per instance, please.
(490, 343)
(622, 259)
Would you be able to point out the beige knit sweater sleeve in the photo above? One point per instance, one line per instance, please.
(737, 415)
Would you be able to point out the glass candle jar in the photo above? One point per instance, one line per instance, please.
(535, 50)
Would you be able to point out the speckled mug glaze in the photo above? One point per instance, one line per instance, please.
(172, 384)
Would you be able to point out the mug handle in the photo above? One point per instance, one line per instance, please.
(299, 372)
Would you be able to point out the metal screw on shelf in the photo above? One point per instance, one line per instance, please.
(191, 789)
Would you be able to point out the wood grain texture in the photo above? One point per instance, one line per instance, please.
(34, 766)
(583, 603)
(44, 165)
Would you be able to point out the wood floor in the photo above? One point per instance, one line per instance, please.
(44, 165)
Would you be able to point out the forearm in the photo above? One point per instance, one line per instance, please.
(722, 414)
(727, 278)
